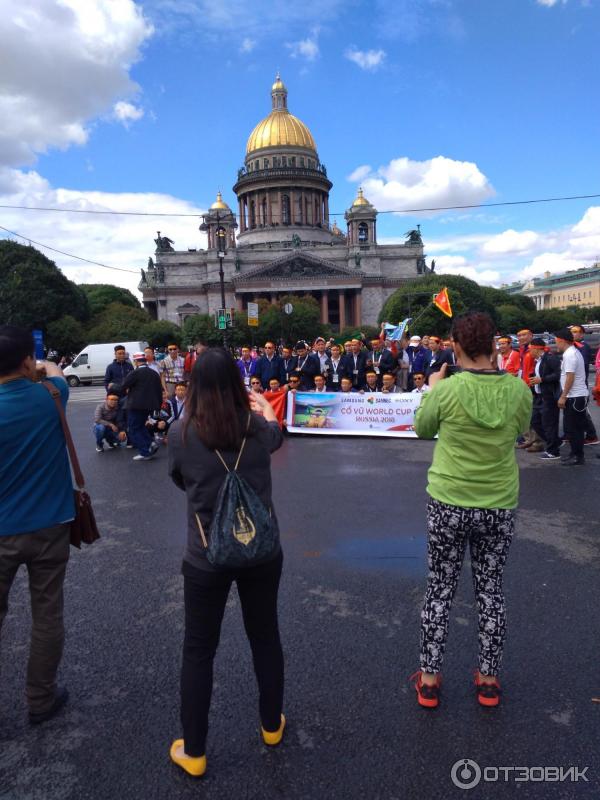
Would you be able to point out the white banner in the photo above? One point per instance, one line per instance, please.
(369, 414)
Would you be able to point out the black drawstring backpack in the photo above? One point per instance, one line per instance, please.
(242, 532)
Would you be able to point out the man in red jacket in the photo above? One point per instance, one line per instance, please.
(191, 358)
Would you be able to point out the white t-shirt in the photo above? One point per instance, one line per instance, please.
(572, 361)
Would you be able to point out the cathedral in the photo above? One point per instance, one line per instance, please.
(281, 241)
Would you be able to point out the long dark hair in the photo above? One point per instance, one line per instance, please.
(217, 404)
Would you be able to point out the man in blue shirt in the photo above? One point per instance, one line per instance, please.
(36, 507)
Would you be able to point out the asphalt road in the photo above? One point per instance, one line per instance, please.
(352, 514)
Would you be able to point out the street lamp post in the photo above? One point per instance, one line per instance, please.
(221, 252)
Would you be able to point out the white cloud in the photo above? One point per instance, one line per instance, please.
(359, 173)
(305, 48)
(511, 241)
(369, 60)
(127, 112)
(63, 64)
(487, 277)
(550, 3)
(119, 241)
(439, 181)
(265, 18)
(247, 45)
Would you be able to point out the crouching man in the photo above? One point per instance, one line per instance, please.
(109, 423)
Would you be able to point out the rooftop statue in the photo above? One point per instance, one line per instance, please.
(163, 243)
(414, 236)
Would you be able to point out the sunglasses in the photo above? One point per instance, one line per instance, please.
(172, 349)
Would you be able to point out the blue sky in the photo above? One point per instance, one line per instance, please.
(147, 106)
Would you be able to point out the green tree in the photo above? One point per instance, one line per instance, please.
(201, 327)
(119, 322)
(273, 324)
(511, 318)
(66, 335)
(370, 331)
(499, 297)
(552, 319)
(33, 291)
(159, 333)
(101, 295)
(414, 300)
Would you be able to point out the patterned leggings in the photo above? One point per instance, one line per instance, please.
(489, 532)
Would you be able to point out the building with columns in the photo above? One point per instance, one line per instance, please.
(578, 287)
(281, 240)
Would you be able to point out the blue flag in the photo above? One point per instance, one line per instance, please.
(398, 332)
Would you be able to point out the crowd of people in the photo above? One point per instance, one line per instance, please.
(479, 395)
(145, 395)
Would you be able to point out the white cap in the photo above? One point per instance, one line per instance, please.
(415, 340)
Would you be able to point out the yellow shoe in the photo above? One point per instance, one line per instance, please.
(193, 766)
(272, 738)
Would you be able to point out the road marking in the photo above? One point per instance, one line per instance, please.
(93, 394)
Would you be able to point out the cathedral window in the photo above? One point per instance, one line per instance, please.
(252, 214)
(265, 163)
(293, 161)
(363, 232)
(284, 161)
(301, 161)
(257, 164)
(285, 209)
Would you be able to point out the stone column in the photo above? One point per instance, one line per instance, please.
(326, 200)
(279, 213)
(269, 210)
(357, 307)
(239, 301)
(342, 307)
(273, 298)
(325, 307)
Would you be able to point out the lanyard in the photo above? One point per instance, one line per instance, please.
(246, 368)
(300, 365)
(335, 365)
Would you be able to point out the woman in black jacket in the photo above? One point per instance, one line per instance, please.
(219, 414)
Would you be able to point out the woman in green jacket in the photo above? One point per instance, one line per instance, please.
(473, 487)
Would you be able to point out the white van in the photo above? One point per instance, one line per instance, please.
(90, 365)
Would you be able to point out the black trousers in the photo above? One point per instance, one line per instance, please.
(205, 596)
(544, 421)
(574, 423)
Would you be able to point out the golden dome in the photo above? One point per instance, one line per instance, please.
(280, 128)
(361, 200)
(218, 204)
(279, 85)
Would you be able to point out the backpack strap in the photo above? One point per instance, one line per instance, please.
(239, 454)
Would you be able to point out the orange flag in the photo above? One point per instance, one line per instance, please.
(442, 301)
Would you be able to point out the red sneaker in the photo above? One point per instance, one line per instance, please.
(488, 694)
(427, 696)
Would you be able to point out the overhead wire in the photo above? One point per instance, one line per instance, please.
(175, 214)
(63, 253)
(331, 213)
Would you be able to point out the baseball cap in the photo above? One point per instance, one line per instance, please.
(415, 340)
